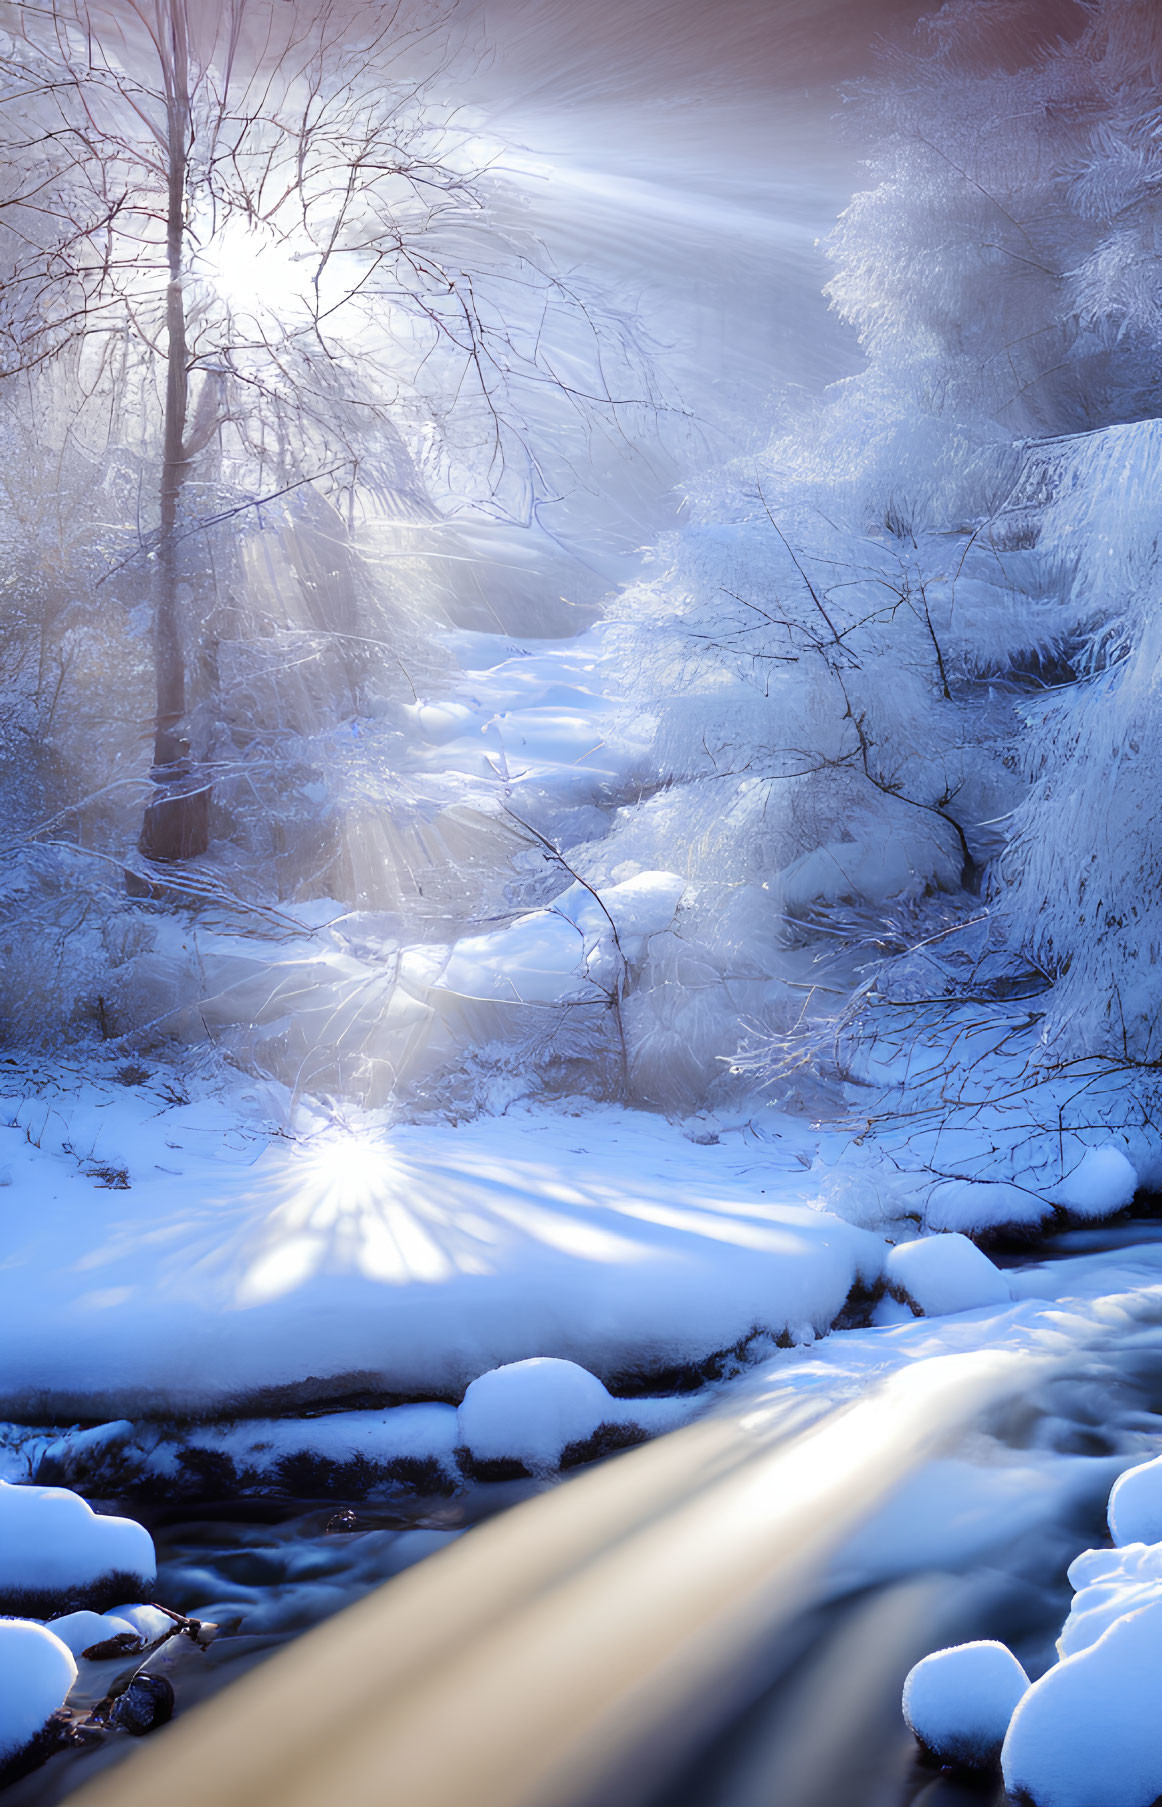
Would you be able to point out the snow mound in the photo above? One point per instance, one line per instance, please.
(149, 1622)
(945, 1273)
(959, 1702)
(1109, 1584)
(81, 1631)
(52, 1542)
(531, 1411)
(1102, 1183)
(1089, 1731)
(36, 1672)
(975, 1205)
(568, 952)
(1135, 1510)
(637, 908)
(539, 959)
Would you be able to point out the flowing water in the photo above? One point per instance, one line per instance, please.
(973, 1543)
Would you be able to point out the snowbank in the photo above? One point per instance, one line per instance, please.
(958, 1702)
(576, 950)
(944, 1273)
(53, 1545)
(227, 1273)
(1108, 1584)
(977, 1206)
(36, 1672)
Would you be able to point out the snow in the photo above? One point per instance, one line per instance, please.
(148, 1621)
(1109, 1584)
(82, 1631)
(569, 952)
(1088, 1730)
(1135, 1513)
(940, 1274)
(976, 1205)
(1086, 1733)
(638, 907)
(36, 1672)
(1103, 1182)
(407, 1259)
(531, 1411)
(52, 1540)
(259, 1446)
(959, 1702)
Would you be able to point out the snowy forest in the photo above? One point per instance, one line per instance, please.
(581, 903)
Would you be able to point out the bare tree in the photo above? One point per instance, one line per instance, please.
(258, 227)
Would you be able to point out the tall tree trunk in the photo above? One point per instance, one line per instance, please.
(176, 822)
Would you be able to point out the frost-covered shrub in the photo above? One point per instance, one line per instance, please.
(918, 629)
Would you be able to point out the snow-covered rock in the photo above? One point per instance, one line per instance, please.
(1088, 1733)
(944, 1273)
(85, 1630)
(267, 1451)
(1102, 1183)
(52, 1543)
(36, 1672)
(530, 1411)
(976, 1205)
(959, 1702)
(1135, 1509)
(149, 1622)
(1108, 1584)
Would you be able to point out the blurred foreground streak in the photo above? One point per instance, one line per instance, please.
(583, 1646)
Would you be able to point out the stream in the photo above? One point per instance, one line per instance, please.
(973, 1544)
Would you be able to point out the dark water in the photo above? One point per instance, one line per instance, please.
(265, 1571)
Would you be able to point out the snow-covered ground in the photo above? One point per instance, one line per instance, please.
(216, 1282)
(177, 1260)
